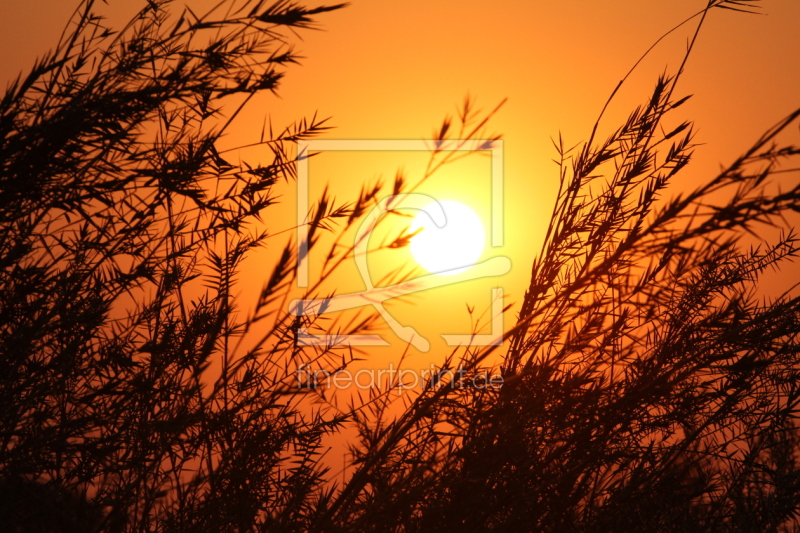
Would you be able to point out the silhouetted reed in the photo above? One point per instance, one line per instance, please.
(647, 386)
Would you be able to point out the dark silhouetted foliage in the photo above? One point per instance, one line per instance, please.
(648, 385)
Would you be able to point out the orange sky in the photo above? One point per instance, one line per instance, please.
(384, 69)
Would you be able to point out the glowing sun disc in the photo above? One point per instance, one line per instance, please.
(449, 249)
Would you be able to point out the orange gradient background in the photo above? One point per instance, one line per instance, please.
(384, 69)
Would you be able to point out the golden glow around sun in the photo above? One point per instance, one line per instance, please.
(451, 248)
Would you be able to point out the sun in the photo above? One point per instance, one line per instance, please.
(451, 248)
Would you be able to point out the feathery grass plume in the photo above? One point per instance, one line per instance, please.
(647, 385)
(123, 230)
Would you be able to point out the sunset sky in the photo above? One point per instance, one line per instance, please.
(383, 69)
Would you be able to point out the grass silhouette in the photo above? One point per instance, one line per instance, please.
(646, 385)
